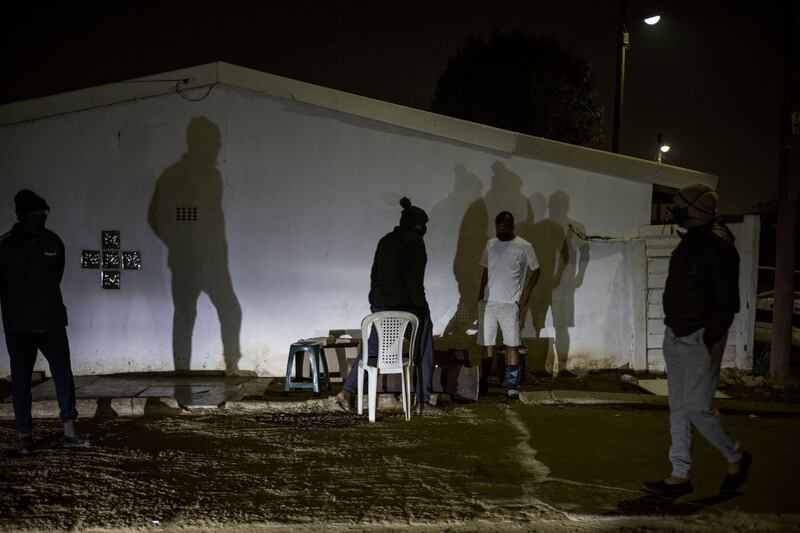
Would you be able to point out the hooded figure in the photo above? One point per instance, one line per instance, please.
(397, 284)
(701, 297)
(34, 316)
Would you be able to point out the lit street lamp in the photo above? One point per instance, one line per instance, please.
(663, 148)
(623, 41)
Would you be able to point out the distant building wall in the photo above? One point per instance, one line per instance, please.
(288, 214)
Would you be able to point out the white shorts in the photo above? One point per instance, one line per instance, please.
(490, 314)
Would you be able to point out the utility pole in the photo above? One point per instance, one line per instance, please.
(781, 347)
(623, 40)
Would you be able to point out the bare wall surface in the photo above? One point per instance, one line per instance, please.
(257, 219)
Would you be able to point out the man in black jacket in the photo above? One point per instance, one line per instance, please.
(700, 299)
(34, 316)
(397, 284)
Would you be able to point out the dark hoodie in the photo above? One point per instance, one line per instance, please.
(398, 273)
(702, 289)
(31, 267)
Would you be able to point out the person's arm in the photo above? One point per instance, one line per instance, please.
(484, 262)
(723, 275)
(532, 276)
(414, 260)
(61, 260)
(530, 283)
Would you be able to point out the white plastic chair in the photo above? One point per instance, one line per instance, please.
(391, 327)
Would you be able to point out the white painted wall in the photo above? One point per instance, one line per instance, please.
(307, 193)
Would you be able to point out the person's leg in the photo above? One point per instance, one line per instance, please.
(424, 360)
(508, 318)
(22, 356)
(55, 348)
(350, 385)
(487, 335)
(701, 382)
(678, 482)
(676, 357)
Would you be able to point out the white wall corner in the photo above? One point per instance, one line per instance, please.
(638, 302)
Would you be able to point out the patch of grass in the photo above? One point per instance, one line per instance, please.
(761, 358)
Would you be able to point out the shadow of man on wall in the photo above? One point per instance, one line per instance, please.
(563, 255)
(186, 214)
(477, 227)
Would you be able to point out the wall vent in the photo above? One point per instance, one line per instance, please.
(186, 214)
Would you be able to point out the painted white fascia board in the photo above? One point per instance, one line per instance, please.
(615, 165)
(110, 94)
(352, 104)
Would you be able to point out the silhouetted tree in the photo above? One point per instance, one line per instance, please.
(521, 83)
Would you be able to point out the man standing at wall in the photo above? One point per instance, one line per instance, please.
(397, 284)
(34, 316)
(700, 299)
(505, 288)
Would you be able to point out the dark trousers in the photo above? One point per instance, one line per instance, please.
(423, 360)
(22, 349)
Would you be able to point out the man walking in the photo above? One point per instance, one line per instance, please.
(505, 288)
(398, 274)
(700, 299)
(34, 316)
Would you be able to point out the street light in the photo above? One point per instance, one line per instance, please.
(663, 148)
(623, 42)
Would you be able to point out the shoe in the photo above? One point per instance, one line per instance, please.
(76, 441)
(513, 394)
(343, 402)
(566, 374)
(734, 481)
(25, 446)
(428, 409)
(663, 488)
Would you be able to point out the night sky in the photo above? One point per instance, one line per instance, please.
(708, 76)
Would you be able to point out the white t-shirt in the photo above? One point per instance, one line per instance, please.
(508, 263)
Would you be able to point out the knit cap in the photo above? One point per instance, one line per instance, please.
(27, 201)
(700, 199)
(412, 215)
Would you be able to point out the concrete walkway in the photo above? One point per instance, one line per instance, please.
(167, 394)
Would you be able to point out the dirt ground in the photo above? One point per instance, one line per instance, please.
(490, 466)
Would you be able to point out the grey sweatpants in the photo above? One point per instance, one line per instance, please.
(692, 374)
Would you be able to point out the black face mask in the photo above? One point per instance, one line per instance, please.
(505, 235)
(680, 215)
(34, 219)
(420, 230)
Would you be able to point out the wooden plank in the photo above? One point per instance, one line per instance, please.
(656, 281)
(658, 252)
(655, 341)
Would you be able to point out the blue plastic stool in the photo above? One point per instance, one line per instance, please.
(315, 356)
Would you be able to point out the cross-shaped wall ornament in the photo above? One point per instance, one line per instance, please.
(110, 261)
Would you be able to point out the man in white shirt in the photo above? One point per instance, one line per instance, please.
(505, 288)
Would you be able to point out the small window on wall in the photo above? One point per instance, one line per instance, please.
(186, 214)
(662, 204)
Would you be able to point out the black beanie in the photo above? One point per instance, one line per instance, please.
(27, 201)
(412, 215)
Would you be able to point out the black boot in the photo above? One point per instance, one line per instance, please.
(486, 369)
